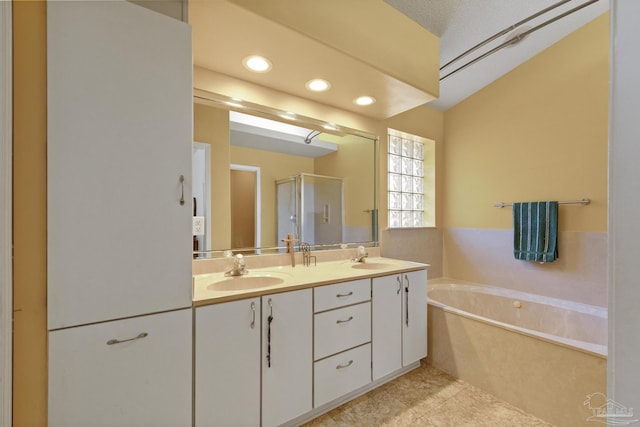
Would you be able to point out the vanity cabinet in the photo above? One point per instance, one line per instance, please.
(272, 359)
(128, 373)
(399, 321)
(227, 364)
(250, 368)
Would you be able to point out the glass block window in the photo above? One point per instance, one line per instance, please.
(406, 180)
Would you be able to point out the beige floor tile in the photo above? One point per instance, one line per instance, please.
(424, 389)
(371, 411)
(474, 408)
(427, 397)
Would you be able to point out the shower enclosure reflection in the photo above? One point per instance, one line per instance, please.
(310, 207)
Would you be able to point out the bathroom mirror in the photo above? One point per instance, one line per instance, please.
(283, 174)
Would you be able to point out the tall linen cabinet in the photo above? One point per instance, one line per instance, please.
(119, 95)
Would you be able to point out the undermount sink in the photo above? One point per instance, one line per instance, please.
(240, 283)
(372, 265)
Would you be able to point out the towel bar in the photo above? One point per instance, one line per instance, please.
(568, 202)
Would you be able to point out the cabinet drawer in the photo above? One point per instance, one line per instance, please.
(341, 294)
(341, 329)
(341, 374)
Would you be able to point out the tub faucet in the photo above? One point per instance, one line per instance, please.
(238, 268)
(360, 255)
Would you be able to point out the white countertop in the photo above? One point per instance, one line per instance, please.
(292, 278)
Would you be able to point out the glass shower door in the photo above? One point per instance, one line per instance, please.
(310, 207)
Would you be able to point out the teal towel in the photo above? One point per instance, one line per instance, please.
(535, 231)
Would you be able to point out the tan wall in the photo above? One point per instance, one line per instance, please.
(354, 163)
(243, 209)
(211, 125)
(29, 214)
(425, 122)
(425, 244)
(538, 133)
(273, 166)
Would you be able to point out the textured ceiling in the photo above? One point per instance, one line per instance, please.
(461, 24)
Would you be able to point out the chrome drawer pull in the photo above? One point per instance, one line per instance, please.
(182, 190)
(345, 321)
(344, 295)
(115, 341)
(345, 366)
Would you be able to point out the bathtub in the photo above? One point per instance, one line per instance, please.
(541, 354)
(580, 326)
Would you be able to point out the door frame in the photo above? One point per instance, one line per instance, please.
(258, 221)
(6, 207)
(207, 190)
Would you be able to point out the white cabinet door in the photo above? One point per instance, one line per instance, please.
(414, 316)
(119, 97)
(386, 325)
(143, 380)
(287, 359)
(227, 371)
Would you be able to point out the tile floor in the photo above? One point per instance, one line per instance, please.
(427, 397)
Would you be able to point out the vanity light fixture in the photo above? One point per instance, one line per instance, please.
(364, 100)
(257, 63)
(318, 85)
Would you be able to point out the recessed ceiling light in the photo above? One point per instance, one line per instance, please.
(364, 100)
(256, 63)
(318, 85)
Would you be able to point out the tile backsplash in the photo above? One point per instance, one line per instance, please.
(486, 256)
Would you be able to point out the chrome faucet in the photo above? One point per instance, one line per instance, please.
(360, 255)
(238, 268)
